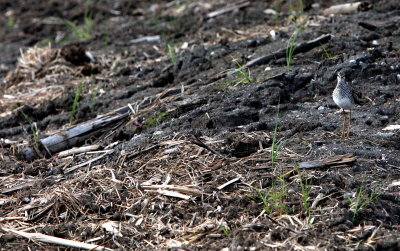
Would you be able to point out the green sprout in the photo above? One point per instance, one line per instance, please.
(275, 146)
(156, 119)
(224, 230)
(173, 57)
(273, 198)
(34, 131)
(10, 22)
(358, 203)
(78, 92)
(243, 76)
(326, 53)
(81, 32)
(305, 192)
(291, 47)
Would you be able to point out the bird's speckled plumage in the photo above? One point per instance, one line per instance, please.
(343, 94)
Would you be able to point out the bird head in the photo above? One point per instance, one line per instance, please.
(340, 74)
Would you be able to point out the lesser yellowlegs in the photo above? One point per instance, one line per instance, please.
(343, 96)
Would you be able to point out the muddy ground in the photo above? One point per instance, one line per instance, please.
(158, 179)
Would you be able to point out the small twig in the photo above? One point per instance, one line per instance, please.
(174, 188)
(227, 9)
(228, 183)
(137, 153)
(88, 162)
(77, 150)
(171, 194)
(18, 187)
(57, 241)
(198, 142)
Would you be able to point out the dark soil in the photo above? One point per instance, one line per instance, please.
(196, 128)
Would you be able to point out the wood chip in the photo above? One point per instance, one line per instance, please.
(339, 160)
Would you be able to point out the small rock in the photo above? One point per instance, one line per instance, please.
(26, 200)
(315, 5)
(171, 150)
(385, 134)
(157, 133)
(273, 34)
(270, 12)
(291, 191)
(321, 108)
(348, 195)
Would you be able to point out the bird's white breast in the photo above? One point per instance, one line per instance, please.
(344, 103)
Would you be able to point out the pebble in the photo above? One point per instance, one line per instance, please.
(291, 191)
(26, 200)
(321, 108)
(348, 195)
(171, 150)
(385, 134)
(157, 133)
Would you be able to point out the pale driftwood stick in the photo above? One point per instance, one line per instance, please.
(228, 183)
(11, 218)
(171, 194)
(56, 240)
(76, 135)
(174, 188)
(393, 184)
(146, 39)
(18, 187)
(348, 8)
(71, 169)
(361, 229)
(320, 196)
(77, 150)
(227, 9)
(339, 160)
(391, 128)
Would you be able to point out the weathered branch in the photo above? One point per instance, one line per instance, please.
(339, 160)
(300, 48)
(76, 135)
(348, 8)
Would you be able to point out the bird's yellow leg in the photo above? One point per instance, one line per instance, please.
(344, 125)
(348, 127)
